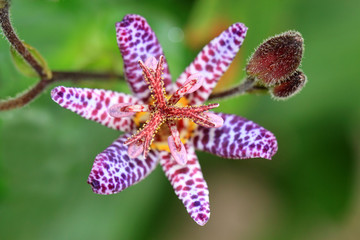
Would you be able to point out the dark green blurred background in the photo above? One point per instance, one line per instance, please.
(310, 190)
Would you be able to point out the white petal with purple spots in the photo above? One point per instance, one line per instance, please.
(114, 170)
(189, 184)
(93, 104)
(213, 61)
(238, 138)
(137, 41)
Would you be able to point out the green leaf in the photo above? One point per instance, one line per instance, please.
(22, 65)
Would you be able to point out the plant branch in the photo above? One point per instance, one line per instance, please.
(45, 79)
(23, 98)
(58, 76)
(246, 86)
(17, 43)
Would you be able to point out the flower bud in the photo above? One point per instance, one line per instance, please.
(277, 58)
(290, 86)
(3, 3)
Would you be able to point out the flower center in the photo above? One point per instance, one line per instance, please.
(165, 116)
(185, 127)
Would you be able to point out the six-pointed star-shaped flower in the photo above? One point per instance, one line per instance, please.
(237, 138)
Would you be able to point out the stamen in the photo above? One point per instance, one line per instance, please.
(135, 149)
(215, 119)
(199, 81)
(202, 120)
(193, 83)
(175, 134)
(117, 112)
(188, 112)
(180, 156)
(136, 108)
(151, 63)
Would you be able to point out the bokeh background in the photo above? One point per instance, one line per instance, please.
(310, 190)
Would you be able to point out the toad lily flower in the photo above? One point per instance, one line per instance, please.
(167, 124)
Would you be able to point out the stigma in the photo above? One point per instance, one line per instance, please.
(163, 110)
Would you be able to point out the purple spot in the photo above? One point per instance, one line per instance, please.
(133, 56)
(148, 47)
(194, 196)
(266, 148)
(209, 68)
(205, 139)
(201, 216)
(60, 94)
(189, 182)
(248, 127)
(95, 184)
(131, 165)
(106, 166)
(181, 171)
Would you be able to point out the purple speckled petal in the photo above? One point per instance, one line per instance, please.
(137, 41)
(93, 104)
(213, 61)
(189, 184)
(114, 170)
(238, 138)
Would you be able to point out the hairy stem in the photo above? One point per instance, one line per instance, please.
(45, 79)
(23, 98)
(245, 86)
(27, 96)
(17, 43)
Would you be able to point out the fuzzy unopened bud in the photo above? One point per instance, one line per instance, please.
(3, 3)
(277, 58)
(290, 86)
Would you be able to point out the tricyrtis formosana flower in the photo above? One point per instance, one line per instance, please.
(165, 122)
